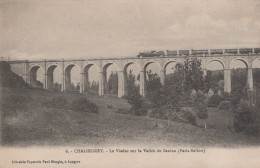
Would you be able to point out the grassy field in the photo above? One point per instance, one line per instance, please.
(40, 125)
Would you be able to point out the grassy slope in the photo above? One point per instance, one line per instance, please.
(40, 125)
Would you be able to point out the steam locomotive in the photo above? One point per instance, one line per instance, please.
(199, 52)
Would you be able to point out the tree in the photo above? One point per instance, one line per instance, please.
(188, 75)
(78, 86)
(246, 118)
(171, 97)
(131, 87)
(134, 98)
(201, 107)
(56, 86)
(176, 92)
(238, 80)
(112, 84)
(213, 81)
(39, 84)
(191, 74)
(94, 86)
(153, 88)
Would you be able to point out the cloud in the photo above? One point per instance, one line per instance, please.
(205, 31)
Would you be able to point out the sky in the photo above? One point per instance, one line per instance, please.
(64, 29)
(36, 29)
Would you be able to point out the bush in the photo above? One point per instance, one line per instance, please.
(252, 129)
(122, 111)
(214, 100)
(82, 104)
(224, 105)
(139, 111)
(10, 104)
(109, 106)
(56, 102)
(139, 106)
(152, 113)
(175, 116)
(233, 98)
(246, 118)
(189, 116)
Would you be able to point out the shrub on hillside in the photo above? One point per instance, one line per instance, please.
(10, 104)
(232, 97)
(138, 104)
(56, 102)
(174, 116)
(122, 111)
(189, 116)
(152, 113)
(246, 118)
(214, 100)
(109, 106)
(139, 108)
(224, 105)
(82, 104)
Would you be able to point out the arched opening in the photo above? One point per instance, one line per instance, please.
(37, 77)
(239, 72)
(152, 68)
(131, 73)
(54, 78)
(256, 73)
(151, 77)
(170, 67)
(72, 78)
(110, 79)
(91, 78)
(169, 70)
(215, 76)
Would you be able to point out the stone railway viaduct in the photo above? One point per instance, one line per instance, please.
(28, 69)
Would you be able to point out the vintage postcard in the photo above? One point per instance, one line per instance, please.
(129, 83)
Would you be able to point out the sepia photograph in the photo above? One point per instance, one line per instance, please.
(129, 83)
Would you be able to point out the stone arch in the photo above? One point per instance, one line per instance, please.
(144, 76)
(164, 77)
(215, 72)
(167, 63)
(239, 77)
(67, 71)
(107, 64)
(50, 76)
(240, 59)
(148, 63)
(253, 61)
(70, 66)
(90, 64)
(86, 82)
(33, 75)
(217, 60)
(36, 65)
(125, 75)
(125, 66)
(104, 84)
